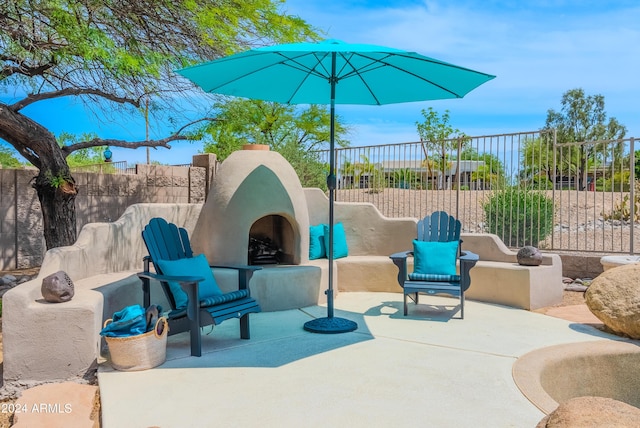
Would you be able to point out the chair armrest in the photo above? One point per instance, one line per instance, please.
(401, 255)
(245, 272)
(469, 257)
(467, 261)
(188, 283)
(400, 260)
(237, 267)
(166, 278)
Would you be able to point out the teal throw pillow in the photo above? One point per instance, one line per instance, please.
(317, 250)
(435, 257)
(192, 266)
(339, 240)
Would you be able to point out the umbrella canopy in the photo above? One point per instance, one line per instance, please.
(300, 73)
(333, 72)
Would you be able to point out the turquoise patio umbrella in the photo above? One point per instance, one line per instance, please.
(334, 72)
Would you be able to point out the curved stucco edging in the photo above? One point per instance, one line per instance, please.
(604, 368)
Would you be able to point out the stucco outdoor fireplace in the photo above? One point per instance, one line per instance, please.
(257, 208)
(255, 194)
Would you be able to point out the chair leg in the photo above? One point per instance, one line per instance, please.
(193, 313)
(462, 305)
(405, 304)
(244, 327)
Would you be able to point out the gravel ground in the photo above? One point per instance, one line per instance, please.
(579, 221)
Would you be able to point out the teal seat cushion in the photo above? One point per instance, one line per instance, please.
(340, 248)
(193, 266)
(224, 298)
(433, 277)
(317, 250)
(437, 258)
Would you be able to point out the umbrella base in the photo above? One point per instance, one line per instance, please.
(330, 325)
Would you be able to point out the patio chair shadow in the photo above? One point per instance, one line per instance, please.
(277, 339)
(422, 312)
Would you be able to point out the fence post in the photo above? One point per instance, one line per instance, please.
(555, 181)
(458, 178)
(632, 192)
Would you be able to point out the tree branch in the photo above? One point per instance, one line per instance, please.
(163, 142)
(32, 98)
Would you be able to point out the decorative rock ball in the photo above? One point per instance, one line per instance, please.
(614, 297)
(529, 256)
(57, 287)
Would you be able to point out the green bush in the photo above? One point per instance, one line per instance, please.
(519, 217)
(618, 183)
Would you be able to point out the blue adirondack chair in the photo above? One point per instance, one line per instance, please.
(166, 242)
(443, 229)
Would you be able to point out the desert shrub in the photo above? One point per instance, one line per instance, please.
(519, 217)
(618, 183)
(622, 210)
(541, 183)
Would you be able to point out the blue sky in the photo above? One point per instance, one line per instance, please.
(537, 49)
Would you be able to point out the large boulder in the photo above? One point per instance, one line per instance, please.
(592, 412)
(614, 297)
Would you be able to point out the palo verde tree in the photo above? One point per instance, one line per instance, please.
(294, 132)
(439, 139)
(112, 55)
(582, 119)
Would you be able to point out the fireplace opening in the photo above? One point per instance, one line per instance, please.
(271, 241)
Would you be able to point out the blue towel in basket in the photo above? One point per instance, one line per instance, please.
(129, 321)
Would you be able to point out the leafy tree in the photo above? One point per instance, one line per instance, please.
(91, 155)
(112, 56)
(492, 170)
(404, 178)
(292, 131)
(439, 138)
(242, 121)
(365, 173)
(8, 158)
(582, 119)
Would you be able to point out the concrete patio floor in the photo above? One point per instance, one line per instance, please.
(427, 369)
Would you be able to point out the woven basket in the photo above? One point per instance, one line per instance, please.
(140, 352)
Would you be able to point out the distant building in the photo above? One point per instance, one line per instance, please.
(411, 174)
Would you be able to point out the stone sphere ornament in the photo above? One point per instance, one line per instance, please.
(57, 287)
(529, 256)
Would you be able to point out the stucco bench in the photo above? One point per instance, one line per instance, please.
(52, 341)
(61, 339)
(498, 278)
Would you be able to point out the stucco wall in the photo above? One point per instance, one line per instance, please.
(101, 198)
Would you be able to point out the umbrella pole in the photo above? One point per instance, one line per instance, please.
(331, 324)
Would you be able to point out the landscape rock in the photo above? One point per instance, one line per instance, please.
(529, 256)
(57, 287)
(614, 297)
(592, 412)
(65, 404)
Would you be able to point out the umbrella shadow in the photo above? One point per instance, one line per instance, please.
(277, 339)
(420, 312)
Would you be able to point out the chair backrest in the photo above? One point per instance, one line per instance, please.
(166, 241)
(439, 226)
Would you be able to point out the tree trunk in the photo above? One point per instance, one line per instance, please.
(57, 197)
(54, 184)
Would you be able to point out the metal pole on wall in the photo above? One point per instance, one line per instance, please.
(632, 192)
(146, 127)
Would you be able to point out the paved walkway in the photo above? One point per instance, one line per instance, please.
(428, 369)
